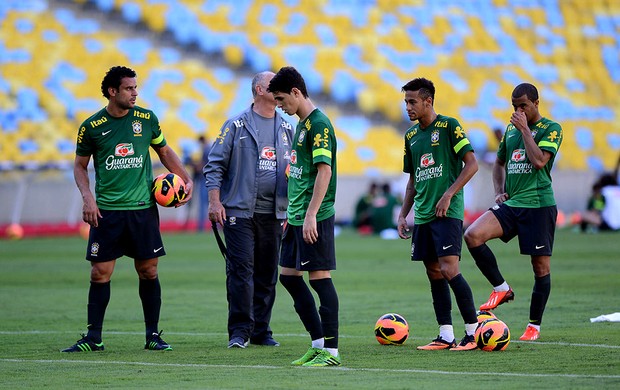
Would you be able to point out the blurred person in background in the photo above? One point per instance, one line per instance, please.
(246, 180)
(440, 161)
(123, 216)
(603, 209)
(309, 241)
(363, 209)
(197, 165)
(525, 204)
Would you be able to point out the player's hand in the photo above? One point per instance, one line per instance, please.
(403, 228)
(441, 208)
(501, 198)
(189, 189)
(519, 120)
(217, 212)
(90, 212)
(310, 231)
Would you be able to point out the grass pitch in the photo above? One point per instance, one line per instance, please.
(44, 285)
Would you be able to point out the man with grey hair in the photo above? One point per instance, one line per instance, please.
(247, 183)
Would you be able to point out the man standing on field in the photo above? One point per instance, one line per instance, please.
(123, 217)
(525, 204)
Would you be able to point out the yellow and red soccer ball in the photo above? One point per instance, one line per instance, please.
(391, 329)
(168, 189)
(484, 315)
(492, 335)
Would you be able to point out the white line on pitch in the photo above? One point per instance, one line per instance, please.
(215, 334)
(382, 370)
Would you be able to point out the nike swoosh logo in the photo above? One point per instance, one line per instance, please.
(411, 144)
(446, 247)
(329, 338)
(105, 132)
(539, 247)
(511, 135)
(158, 249)
(305, 262)
(243, 137)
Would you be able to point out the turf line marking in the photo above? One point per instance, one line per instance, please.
(381, 370)
(201, 334)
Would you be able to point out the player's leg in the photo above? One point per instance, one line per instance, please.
(485, 228)
(442, 305)
(303, 300)
(240, 240)
(536, 238)
(464, 299)
(144, 244)
(319, 259)
(266, 255)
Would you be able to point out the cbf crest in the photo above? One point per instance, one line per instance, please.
(302, 135)
(435, 136)
(94, 249)
(137, 127)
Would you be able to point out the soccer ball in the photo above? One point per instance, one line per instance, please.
(484, 315)
(391, 329)
(492, 335)
(168, 189)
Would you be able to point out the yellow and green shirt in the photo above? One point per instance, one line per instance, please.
(434, 156)
(527, 186)
(120, 151)
(314, 142)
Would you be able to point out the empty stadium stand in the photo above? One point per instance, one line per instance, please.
(353, 53)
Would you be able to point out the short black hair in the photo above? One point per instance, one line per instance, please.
(425, 86)
(286, 79)
(114, 77)
(525, 89)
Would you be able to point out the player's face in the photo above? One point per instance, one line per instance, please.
(526, 106)
(287, 101)
(416, 106)
(125, 96)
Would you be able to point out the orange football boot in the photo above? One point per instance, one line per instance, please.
(530, 334)
(497, 298)
(437, 344)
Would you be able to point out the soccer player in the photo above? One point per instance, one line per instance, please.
(440, 161)
(525, 204)
(123, 217)
(308, 244)
(246, 180)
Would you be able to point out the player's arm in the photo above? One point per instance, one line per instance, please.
(90, 211)
(536, 155)
(469, 170)
(499, 181)
(323, 177)
(173, 163)
(403, 228)
(217, 166)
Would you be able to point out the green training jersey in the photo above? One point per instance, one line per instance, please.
(120, 150)
(434, 155)
(314, 143)
(527, 186)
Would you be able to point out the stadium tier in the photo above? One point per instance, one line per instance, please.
(356, 53)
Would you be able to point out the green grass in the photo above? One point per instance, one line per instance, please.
(44, 285)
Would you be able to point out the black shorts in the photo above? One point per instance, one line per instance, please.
(438, 238)
(535, 227)
(132, 233)
(320, 256)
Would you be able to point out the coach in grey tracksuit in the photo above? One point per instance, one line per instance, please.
(247, 185)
